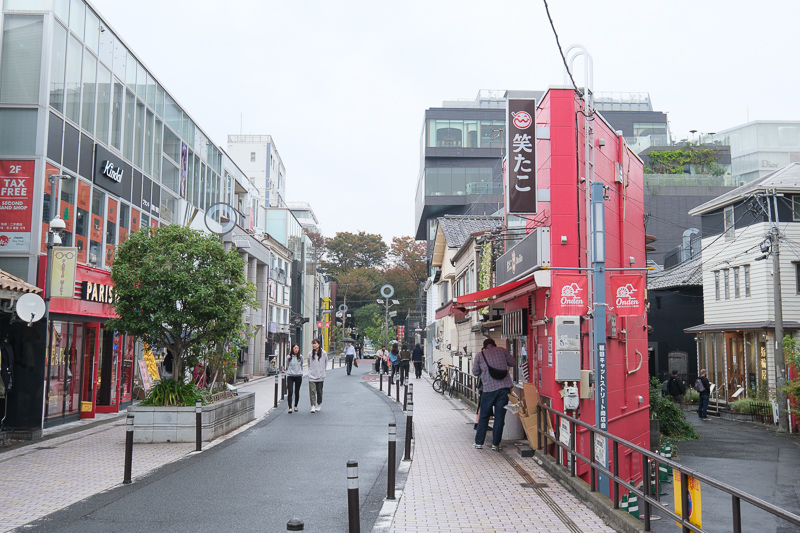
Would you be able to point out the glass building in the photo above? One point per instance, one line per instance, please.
(76, 101)
(761, 147)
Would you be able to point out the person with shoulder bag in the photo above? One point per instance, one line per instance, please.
(491, 364)
(394, 362)
(703, 386)
(405, 362)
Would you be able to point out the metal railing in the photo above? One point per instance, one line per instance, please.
(650, 463)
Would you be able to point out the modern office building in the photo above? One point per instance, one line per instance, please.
(760, 147)
(258, 157)
(633, 115)
(76, 102)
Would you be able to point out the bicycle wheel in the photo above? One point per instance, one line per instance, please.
(438, 385)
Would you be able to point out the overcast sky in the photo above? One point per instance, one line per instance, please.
(342, 85)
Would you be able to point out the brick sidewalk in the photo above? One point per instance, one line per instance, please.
(54, 473)
(453, 487)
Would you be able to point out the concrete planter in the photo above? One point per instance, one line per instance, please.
(178, 424)
(731, 415)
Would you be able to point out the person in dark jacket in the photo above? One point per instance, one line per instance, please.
(405, 363)
(676, 388)
(702, 408)
(416, 358)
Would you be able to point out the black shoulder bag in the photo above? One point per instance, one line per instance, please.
(496, 373)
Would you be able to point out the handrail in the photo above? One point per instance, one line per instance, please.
(648, 459)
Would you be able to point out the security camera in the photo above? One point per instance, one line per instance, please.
(57, 225)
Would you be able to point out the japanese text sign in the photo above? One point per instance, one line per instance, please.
(16, 204)
(521, 156)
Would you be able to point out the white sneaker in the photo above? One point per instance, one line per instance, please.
(319, 407)
(313, 410)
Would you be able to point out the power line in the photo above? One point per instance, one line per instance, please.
(546, 8)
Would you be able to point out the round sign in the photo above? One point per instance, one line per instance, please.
(387, 291)
(30, 307)
(221, 218)
(343, 308)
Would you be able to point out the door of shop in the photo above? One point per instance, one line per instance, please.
(109, 371)
(90, 343)
(736, 374)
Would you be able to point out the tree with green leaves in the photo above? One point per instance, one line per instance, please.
(179, 288)
(347, 251)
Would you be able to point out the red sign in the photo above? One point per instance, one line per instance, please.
(628, 293)
(401, 332)
(571, 293)
(16, 204)
(319, 325)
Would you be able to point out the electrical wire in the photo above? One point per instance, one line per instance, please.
(547, 9)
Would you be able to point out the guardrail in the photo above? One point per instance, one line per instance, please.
(650, 463)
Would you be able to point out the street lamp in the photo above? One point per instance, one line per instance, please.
(56, 226)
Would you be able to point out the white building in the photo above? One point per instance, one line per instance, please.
(736, 342)
(258, 157)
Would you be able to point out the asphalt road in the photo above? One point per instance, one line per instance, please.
(750, 457)
(286, 466)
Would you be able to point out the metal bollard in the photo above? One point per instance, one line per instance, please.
(128, 448)
(283, 386)
(392, 454)
(397, 393)
(198, 422)
(405, 398)
(295, 524)
(352, 497)
(276, 390)
(409, 425)
(381, 378)
(333, 362)
(389, 388)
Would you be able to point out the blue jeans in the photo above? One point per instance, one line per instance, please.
(702, 409)
(497, 400)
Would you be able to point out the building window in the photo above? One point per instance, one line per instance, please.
(252, 157)
(736, 282)
(747, 281)
(729, 229)
(716, 284)
(797, 277)
(726, 272)
(796, 207)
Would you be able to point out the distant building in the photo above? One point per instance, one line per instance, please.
(258, 157)
(761, 147)
(633, 115)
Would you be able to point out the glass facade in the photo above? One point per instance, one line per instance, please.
(759, 148)
(449, 133)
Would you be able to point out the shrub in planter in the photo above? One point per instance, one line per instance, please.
(691, 396)
(174, 393)
(672, 421)
(745, 405)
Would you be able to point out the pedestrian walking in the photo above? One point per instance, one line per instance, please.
(380, 360)
(491, 364)
(317, 362)
(405, 362)
(294, 376)
(394, 362)
(676, 388)
(349, 355)
(704, 388)
(416, 358)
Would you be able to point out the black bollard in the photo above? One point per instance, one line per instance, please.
(283, 386)
(405, 398)
(409, 425)
(295, 524)
(397, 393)
(389, 388)
(198, 423)
(276, 391)
(128, 448)
(352, 497)
(392, 454)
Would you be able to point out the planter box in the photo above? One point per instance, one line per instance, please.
(178, 424)
(730, 415)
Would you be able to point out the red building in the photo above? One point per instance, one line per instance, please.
(548, 275)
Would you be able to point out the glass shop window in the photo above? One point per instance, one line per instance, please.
(124, 222)
(82, 219)
(111, 232)
(96, 229)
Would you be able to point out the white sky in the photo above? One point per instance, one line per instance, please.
(342, 85)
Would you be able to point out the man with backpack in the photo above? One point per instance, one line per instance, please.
(704, 388)
(676, 388)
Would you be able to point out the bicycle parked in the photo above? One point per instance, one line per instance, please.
(443, 382)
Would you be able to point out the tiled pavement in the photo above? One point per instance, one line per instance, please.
(453, 487)
(56, 472)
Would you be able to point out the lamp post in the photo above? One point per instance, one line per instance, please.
(56, 226)
(387, 305)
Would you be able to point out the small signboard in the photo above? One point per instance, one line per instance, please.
(563, 432)
(695, 511)
(144, 373)
(600, 450)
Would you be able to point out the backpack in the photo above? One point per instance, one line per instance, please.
(698, 385)
(665, 388)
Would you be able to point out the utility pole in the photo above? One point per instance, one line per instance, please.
(780, 359)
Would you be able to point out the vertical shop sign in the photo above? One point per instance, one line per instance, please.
(628, 291)
(602, 387)
(62, 274)
(521, 158)
(16, 205)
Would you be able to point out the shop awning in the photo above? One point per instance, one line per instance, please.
(479, 299)
(445, 310)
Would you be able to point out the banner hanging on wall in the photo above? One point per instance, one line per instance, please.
(571, 293)
(628, 292)
(16, 205)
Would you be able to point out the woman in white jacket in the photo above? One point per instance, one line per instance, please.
(317, 362)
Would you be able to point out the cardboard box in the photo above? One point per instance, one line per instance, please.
(529, 424)
(531, 396)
